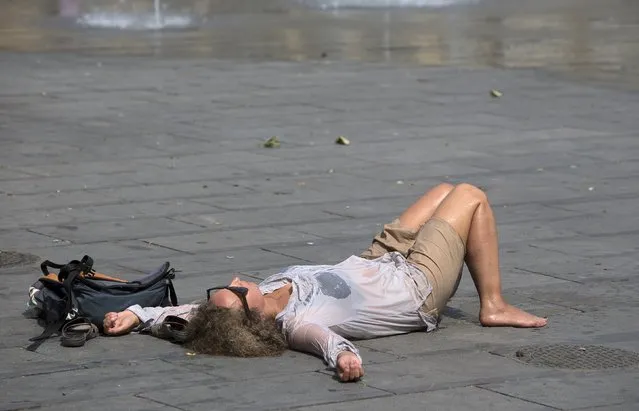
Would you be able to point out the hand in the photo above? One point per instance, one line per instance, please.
(349, 367)
(120, 323)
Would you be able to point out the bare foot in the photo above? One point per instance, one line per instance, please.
(505, 315)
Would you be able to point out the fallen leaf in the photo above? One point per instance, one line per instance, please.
(272, 142)
(342, 141)
(496, 93)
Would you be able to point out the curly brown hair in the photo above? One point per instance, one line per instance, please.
(224, 331)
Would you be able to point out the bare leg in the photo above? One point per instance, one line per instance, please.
(467, 210)
(422, 210)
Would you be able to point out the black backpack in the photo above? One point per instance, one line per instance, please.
(78, 291)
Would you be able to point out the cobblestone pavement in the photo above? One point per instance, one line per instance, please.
(135, 161)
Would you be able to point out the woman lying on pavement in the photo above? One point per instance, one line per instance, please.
(399, 285)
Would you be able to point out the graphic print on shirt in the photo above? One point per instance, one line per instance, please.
(332, 285)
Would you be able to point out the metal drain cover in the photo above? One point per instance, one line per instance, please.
(589, 357)
(13, 258)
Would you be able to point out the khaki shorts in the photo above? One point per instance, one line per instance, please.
(436, 249)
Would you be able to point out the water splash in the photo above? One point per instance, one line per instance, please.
(134, 22)
(124, 16)
(158, 13)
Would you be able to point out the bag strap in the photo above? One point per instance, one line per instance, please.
(85, 264)
(172, 293)
(49, 330)
(51, 264)
(67, 284)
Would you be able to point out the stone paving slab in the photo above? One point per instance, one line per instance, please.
(114, 167)
(609, 245)
(72, 385)
(105, 212)
(292, 215)
(250, 369)
(21, 362)
(583, 296)
(170, 170)
(155, 166)
(110, 251)
(581, 269)
(292, 390)
(615, 407)
(578, 391)
(65, 183)
(228, 240)
(24, 239)
(116, 230)
(148, 192)
(386, 208)
(439, 371)
(125, 402)
(454, 399)
(44, 201)
(321, 252)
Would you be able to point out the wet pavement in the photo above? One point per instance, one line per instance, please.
(593, 40)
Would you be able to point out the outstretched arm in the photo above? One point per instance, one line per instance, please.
(338, 352)
(143, 318)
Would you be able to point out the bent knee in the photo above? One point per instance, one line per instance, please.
(441, 190)
(447, 187)
(471, 191)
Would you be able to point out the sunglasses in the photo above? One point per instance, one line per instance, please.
(239, 291)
